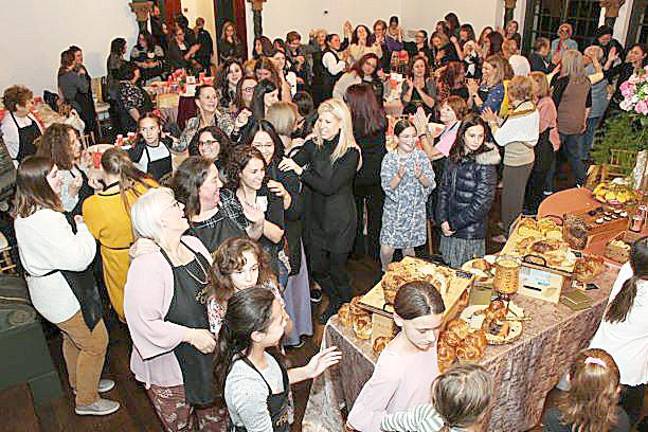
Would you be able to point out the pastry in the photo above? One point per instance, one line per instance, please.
(362, 326)
(380, 343)
(354, 306)
(528, 227)
(344, 315)
(456, 331)
(575, 232)
(400, 273)
(445, 355)
(524, 244)
(587, 268)
(472, 348)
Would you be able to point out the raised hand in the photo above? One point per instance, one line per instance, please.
(322, 361)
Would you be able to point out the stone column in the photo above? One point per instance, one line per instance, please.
(141, 9)
(257, 8)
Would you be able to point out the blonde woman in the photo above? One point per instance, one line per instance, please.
(572, 94)
(460, 400)
(327, 165)
(283, 116)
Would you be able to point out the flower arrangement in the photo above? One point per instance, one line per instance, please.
(635, 93)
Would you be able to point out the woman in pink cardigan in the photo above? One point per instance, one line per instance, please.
(164, 303)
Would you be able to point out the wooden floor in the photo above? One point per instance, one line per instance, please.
(18, 412)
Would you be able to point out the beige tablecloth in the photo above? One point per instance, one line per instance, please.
(524, 371)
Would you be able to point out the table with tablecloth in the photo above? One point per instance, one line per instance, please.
(524, 371)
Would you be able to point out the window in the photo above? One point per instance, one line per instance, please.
(547, 15)
(638, 30)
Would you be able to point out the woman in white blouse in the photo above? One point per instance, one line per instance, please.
(19, 128)
(56, 256)
(623, 332)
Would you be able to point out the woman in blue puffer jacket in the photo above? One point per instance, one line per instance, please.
(466, 193)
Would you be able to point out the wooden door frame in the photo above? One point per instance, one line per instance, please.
(633, 26)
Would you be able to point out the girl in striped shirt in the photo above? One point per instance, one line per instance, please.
(460, 400)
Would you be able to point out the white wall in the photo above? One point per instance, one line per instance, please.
(282, 16)
(36, 32)
(424, 14)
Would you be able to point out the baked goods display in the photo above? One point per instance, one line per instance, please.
(344, 315)
(616, 191)
(500, 323)
(446, 355)
(588, 267)
(400, 273)
(362, 326)
(575, 232)
(380, 343)
(473, 347)
(458, 342)
(543, 228)
(618, 250)
(481, 268)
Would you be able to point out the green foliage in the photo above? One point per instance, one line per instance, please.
(622, 130)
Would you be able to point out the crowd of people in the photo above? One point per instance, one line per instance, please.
(214, 264)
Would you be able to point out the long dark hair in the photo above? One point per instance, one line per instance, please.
(468, 28)
(221, 76)
(620, 307)
(496, 41)
(453, 21)
(33, 191)
(237, 162)
(266, 47)
(115, 161)
(357, 67)
(355, 38)
(267, 127)
(186, 183)
(67, 60)
(238, 99)
(417, 299)
(248, 311)
(55, 143)
(117, 46)
(367, 115)
(258, 103)
(150, 41)
(458, 149)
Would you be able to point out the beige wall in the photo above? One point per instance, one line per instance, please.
(193, 9)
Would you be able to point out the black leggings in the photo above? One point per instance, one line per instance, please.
(328, 269)
(374, 196)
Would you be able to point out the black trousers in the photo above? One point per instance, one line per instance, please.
(374, 197)
(328, 269)
(632, 401)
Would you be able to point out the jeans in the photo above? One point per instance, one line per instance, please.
(573, 147)
(588, 136)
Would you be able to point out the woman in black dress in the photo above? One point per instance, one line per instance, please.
(230, 47)
(327, 166)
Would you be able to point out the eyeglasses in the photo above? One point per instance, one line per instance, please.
(248, 90)
(208, 143)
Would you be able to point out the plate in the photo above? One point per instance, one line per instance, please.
(482, 276)
(475, 320)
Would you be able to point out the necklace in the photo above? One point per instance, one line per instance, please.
(202, 268)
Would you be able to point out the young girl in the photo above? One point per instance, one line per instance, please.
(151, 153)
(460, 399)
(251, 374)
(407, 179)
(466, 193)
(107, 214)
(407, 367)
(61, 144)
(624, 329)
(592, 402)
(239, 263)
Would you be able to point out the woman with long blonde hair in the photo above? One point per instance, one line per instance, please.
(591, 405)
(572, 94)
(327, 165)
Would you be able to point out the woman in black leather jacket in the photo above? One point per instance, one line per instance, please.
(466, 193)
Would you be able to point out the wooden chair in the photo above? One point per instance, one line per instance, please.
(87, 140)
(7, 265)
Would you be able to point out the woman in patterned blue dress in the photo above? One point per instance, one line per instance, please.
(407, 178)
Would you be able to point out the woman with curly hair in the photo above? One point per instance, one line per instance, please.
(19, 128)
(61, 144)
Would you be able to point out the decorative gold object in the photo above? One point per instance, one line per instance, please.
(141, 10)
(612, 7)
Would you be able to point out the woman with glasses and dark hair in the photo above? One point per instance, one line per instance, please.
(419, 47)
(212, 144)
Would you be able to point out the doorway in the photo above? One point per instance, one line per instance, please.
(638, 29)
(545, 16)
(234, 11)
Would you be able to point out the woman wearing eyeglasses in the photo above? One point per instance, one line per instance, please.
(564, 41)
(181, 55)
(212, 144)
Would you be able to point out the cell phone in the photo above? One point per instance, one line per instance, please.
(591, 286)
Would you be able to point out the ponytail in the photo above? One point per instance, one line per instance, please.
(248, 311)
(115, 161)
(623, 301)
(620, 307)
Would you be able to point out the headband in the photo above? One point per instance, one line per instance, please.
(596, 361)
